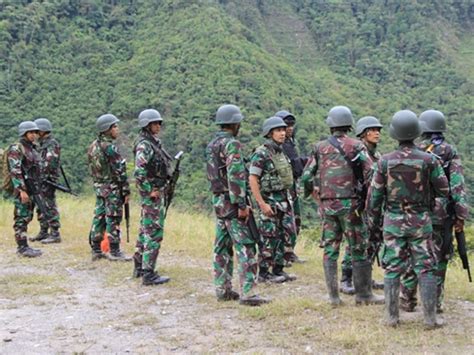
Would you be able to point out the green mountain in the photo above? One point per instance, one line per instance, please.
(72, 61)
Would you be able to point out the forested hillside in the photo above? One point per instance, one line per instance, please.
(71, 61)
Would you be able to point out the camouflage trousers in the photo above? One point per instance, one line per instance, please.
(408, 240)
(22, 216)
(52, 219)
(409, 280)
(278, 233)
(107, 218)
(151, 231)
(233, 233)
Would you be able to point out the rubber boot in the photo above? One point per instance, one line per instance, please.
(265, 276)
(330, 274)
(25, 250)
(346, 286)
(137, 266)
(428, 294)
(226, 295)
(42, 235)
(151, 278)
(278, 271)
(254, 300)
(54, 237)
(392, 296)
(116, 254)
(362, 272)
(96, 251)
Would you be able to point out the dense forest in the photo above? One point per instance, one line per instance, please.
(73, 60)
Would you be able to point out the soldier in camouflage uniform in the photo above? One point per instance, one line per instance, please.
(50, 152)
(152, 174)
(228, 180)
(401, 193)
(433, 125)
(331, 180)
(297, 164)
(23, 164)
(368, 131)
(108, 171)
(271, 179)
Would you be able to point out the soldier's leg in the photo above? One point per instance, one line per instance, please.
(53, 218)
(409, 284)
(287, 229)
(22, 215)
(223, 260)
(346, 286)
(98, 228)
(441, 266)
(113, 217)
(267, 228)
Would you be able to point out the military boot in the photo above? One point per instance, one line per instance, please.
(362, 271)
(25, 250)
(265, 276)
(54, 237)
(429, 299)
(226, 295)
(42, 235)
(96, 251)
(151, 278)
(330, 274)
(137, 266)
(116, 254)
(254, 300)
(278, 271)
(346, 286)
(392, 291)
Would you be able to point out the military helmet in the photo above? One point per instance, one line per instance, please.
(44, 124)
(26, 126)
(106, 121)
(340, 116)
(271, 123)
(228, 114)
(147, 116)
(432, 121)
(365, 123)
(286, 116)
(405, 126)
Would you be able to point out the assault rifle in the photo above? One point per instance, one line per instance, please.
(34, 192)
(251, 224)
(173, 180)
(67, 189)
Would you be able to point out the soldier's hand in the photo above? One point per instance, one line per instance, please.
(24, 198)
(126, 199)
(155, 194)
(315, 194)
(459, 225)
(243, 213)
(267, 210)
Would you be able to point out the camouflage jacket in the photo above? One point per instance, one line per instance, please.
(262, 165)
(24, 163)
(451, 163)
(226, 174)
(50, 152)
(152, 164)
(107, 167)
(373, 153)
(406, 182)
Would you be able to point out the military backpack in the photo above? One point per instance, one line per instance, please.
(5, 178)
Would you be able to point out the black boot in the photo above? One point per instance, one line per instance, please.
(96, 251)
(363, 284)
(392, 295)
(151, 278)
(428, 291)
(42, 235)
(54, 237)
(346, 286)
(265, 276)
(226, 295)
(278, 271)
(330, 274)
(137, 265)
(25, 250)
(116, 254)
(254, 300)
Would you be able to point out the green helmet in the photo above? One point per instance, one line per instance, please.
(288, 117)
(26, 126)
(106, 121)
(340, 116)
(366, 122)
(44, 124)
(228, 114)
(432, 121)
(405, 126)
(147, 116)
(271, 123)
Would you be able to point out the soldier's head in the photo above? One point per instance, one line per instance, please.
(432, 121)
(150, 120)
(340, 119)
(28, 130)
(228, 117)
(290, 121)
(44, 126)
(368, 129)
(405, 126)
(108, 125)
(274, 128)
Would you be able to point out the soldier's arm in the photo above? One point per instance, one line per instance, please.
(376, 196)
(51, 163)
(367, 164)
(15, 157)
(456, 182)
(256, 169)
(118, 167)
(236, 174)
(143, 155)
(310, 170)
(438, 179)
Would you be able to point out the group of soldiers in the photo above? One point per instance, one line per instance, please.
(399, 199)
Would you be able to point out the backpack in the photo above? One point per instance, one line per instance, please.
(5, 178)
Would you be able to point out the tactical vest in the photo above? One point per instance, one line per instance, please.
(159, 167)
(280, 175)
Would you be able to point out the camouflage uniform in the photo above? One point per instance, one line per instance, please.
(279, 230)
(451, 162)
(108, 170)
(152, 172)
(228, 178)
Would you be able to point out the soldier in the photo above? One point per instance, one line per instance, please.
(108, 171)
(50, 151)
(228, 180)
(368, 131)
(401, 192)
(297, 164)
(331, 163)
(24, 165)
(433, 126)
(271, 179)
(152, 174)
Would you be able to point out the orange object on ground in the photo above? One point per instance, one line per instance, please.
(104, 244)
